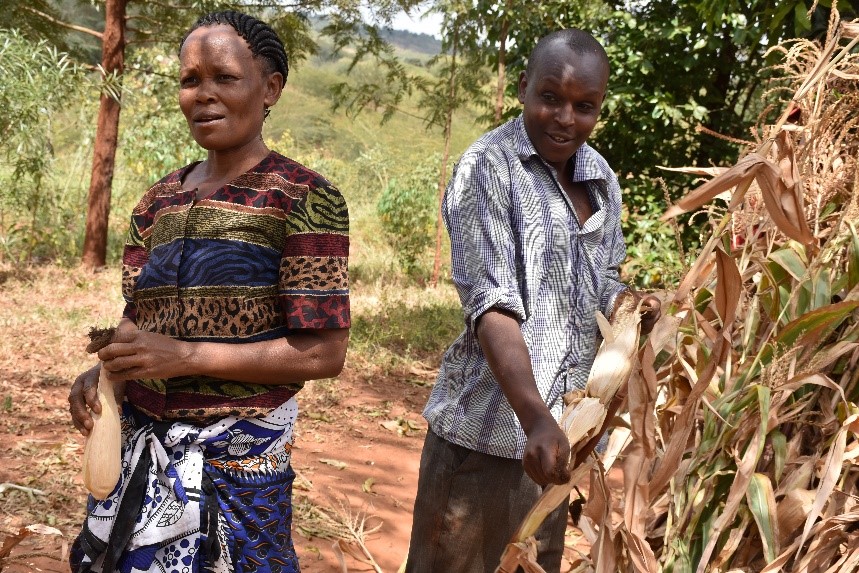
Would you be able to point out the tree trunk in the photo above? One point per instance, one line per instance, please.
(502, 64)
(106, 137)
(448, 122)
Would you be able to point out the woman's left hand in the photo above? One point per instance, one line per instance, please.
(138, 354)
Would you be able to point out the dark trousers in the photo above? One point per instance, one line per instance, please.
(467, 509)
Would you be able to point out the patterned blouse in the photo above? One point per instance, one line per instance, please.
(261, 257)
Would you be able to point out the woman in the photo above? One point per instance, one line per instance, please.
(235, 281)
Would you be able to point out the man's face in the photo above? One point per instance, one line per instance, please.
(562, 96)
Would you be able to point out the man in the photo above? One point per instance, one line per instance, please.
(533, 215)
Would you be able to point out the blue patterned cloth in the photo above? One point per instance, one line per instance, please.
(214, 499)
(517, 245)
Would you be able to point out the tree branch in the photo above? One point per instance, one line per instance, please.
(49, 18)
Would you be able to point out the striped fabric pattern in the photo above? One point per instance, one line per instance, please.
(517, 245)
(263, 256)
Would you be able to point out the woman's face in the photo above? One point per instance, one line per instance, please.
(223, 89)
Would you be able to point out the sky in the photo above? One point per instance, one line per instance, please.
(430, 24)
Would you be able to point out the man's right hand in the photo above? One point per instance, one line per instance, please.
(547, 453)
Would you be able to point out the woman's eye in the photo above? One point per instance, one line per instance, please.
(226, 78)
(187, 82)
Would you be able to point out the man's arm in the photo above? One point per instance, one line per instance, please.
(547, 450)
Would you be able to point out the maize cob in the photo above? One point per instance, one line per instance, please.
(583, 418)
(102, 455)
(102, 452)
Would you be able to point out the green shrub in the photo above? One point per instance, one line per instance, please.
(407, 209)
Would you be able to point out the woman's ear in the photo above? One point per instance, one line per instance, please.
(273, 88)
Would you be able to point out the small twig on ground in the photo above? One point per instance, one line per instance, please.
(30, 490)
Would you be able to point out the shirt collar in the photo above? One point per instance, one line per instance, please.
(587, 168)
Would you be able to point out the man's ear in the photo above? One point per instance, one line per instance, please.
(523, 86)
(273, 88)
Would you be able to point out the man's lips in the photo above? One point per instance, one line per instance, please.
(559, 139)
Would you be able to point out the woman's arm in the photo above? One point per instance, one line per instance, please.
(304, 355)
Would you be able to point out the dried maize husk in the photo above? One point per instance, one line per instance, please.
(102, 455)
(584, 418)
(792, 511)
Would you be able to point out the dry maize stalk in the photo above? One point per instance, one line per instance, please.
(583, 420)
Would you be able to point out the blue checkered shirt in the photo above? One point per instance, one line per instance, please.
(516, 245)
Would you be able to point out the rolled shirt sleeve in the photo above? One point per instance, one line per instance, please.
(477, 211)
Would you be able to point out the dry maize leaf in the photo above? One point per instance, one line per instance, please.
(803, 379)
(604, 552)
(522, 554)
(334, 463)
(833, 467)
(550, 499)
(13, 539)
(737, 534)
(699, 273)
(784, 207)
(761, 500)
(729, 287)
(685, 422)
(358, 552)
(745, 469)
(741, 173)
(639, 458)
(849, 562)
(641, 554)
(792, 511)
(367, 486)
(709, 171)
(852, 258)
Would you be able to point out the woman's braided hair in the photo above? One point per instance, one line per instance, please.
(263, 41)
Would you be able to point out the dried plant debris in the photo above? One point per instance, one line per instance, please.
(99, 338)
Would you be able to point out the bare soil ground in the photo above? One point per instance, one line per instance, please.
(356, 454)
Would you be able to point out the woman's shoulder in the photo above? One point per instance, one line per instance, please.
(293, 171)
(176, 176)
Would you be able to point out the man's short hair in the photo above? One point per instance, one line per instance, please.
(577, 40)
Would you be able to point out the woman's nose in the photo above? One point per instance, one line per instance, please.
(205, 91)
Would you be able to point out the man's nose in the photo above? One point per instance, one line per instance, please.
(566, 115)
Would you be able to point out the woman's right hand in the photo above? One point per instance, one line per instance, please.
(83, 398)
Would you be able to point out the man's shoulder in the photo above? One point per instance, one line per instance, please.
(498, 142)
